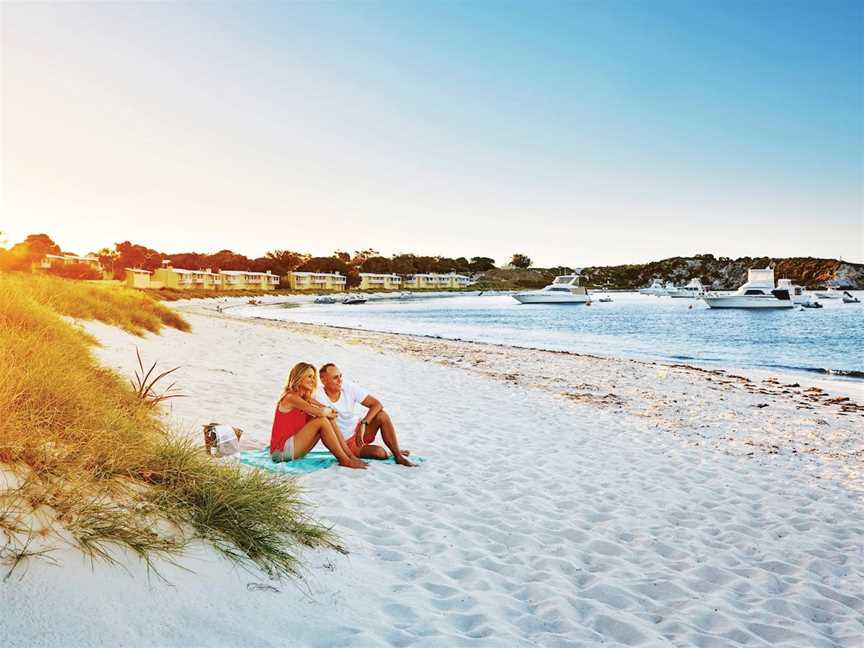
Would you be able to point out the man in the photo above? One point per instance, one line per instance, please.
(343, 398)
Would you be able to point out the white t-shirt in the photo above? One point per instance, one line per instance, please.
(346, 419)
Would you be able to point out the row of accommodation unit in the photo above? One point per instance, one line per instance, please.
(326, 281)
(57, 260)
(179, 278)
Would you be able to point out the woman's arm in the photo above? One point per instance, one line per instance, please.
(316, 410)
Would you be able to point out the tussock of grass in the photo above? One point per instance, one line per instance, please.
(94, 454)
(132, 310)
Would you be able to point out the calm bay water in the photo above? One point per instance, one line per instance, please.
(829, 340)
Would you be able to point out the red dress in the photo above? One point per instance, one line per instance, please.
(285, 426)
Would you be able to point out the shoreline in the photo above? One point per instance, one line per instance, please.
(848, 381)
(770, 412)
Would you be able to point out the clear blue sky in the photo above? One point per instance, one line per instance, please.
(578, 133)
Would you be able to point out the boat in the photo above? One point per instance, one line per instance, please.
(325, 299)
(757, 292)
(811, 304)
(564, 289)
(351, 300)
(656, 288)
(830, 293)
(603, 296)
(693, 290)
(406, 295)
(849, 298)
(799, 294)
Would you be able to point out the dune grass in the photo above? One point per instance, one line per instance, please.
(76, 442)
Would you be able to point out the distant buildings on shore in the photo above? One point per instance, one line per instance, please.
(178, 278)
(58, 260)
(181, 279)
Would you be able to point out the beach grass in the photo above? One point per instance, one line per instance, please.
(89, 462)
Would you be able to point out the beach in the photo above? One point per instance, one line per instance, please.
(564, 500)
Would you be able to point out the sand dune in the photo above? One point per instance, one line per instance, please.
(537, 519)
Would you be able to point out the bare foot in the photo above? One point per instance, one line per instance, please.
(356, 463)
(402, 461)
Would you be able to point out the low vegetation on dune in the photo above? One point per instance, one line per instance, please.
(132, 310)
(85, 460)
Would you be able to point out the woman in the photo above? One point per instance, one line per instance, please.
(300, 422)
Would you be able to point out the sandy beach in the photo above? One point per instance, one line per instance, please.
(565, 500)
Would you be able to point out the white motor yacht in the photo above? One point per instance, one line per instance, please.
(798, 294)
(693, 290)
(563, 290)
(758, 292)
(656, 288)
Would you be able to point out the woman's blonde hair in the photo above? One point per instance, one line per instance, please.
(292, 384)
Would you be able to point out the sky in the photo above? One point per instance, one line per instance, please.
(578, 133)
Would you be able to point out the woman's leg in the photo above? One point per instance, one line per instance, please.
(320, 428)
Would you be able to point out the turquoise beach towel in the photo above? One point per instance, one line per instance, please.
(310, 463)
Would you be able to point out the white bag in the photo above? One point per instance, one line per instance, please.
(223, 438)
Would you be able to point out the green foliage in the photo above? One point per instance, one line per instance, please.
(84, 446)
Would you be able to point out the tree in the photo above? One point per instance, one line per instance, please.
(481, 264)
(130, 255)
(285, 261)
(325, 264)
(360, 256)
(520, 261)
(228, 260)
(23, 255)
(404, 264)
(40, 245)
(377, 264)
(108, 258)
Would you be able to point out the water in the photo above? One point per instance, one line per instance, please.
(829, 340)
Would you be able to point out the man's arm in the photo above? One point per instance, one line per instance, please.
(374, 406)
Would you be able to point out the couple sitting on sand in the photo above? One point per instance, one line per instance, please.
(307, 413)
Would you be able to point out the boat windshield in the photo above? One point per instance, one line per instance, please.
(566, 279)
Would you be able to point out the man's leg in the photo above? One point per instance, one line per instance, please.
(382, 422)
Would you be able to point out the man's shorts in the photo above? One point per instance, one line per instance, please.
(368, 437)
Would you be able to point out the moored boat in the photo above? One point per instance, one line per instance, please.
(352, 300)
(693, 290)
(798, 294)
(830, 293)
(656, 288)
(757, 293)
(565, 289)
(325, 299)
(849, 298)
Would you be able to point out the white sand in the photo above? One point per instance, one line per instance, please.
(536, 520)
